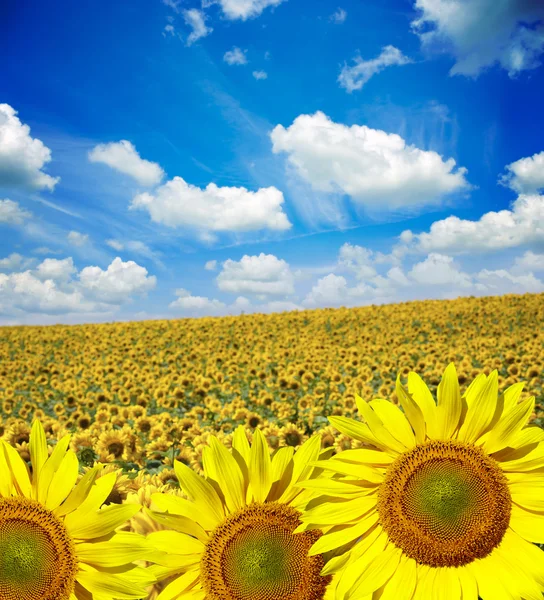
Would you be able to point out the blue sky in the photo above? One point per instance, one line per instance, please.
(163, 159)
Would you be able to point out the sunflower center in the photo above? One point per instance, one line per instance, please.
(37, 557)
(445, 503)
(254, 555)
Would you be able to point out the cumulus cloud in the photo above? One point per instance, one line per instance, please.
(180, 204)
(481, 33)
(236, 56)
(196, 20)
(78, 239)
(523, 224)
(338, 16)
(189, 303)
(15, 261)
(210, 265)
(12, 214)
(503, 282)
(526, 175)
(245, 9)
(117, 283)
(328, 291)
(55, 269)
(379, 171)
(55, 288)
(264, 274)
(22, 157)
(260, 75)
(354, 77)
(123, 157)
(528, 262)
(358, 260)
(438, 269)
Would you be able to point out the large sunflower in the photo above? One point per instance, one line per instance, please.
(233, 538)
(446, 502)
(56, 543)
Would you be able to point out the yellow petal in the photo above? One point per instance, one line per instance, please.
(303, 466)
(424, 399)
(79, 492)
(508, 426)
(200, 491)
(174, 541)
(529, 524)
(376, 573)
(481, 410)
(402, 584)
(50, 466)
(377, 427)
(103, 521)
(335, 513)
(131, 586)
(395, 421)
(63, 481)
(96, 496)
(260, 476)
(38, 454)
(180, 506)
(6, 484)
(228, 475)
(344, 534)
(412, 410)
(360, 431)
(113, 552)
(19, 470)
(512, 394)
(522, 459)
(179, 585)
(449, 405)
(446, 584)
(179, 523)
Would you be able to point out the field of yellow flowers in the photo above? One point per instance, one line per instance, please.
(205, 427)
(138, 395)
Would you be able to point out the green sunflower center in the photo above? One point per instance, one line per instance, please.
(445, 503)
(253, 555)
(37, 560)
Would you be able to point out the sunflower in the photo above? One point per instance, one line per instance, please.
(55, 543)
(232, 539)
(448, 503)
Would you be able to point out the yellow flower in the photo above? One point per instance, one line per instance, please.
(232, 539)
(449, 501)
(55, 541)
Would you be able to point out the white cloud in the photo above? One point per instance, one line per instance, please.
(338, 17)
(12, 214)
(328, 291)
(196, 19)
(354, 77)
(481, 33)
(200, 304)
(523, 224)
(169, 29)
(117, 283)
(260, 75)
(526, 175)
(378, 170)
(264, 274)
(55, 269)
(78, 239)
(115, 244)
(504, 282)
(245, 9)
(180, 204)
(22, 157)
(438, 269)
(236, 56)
(210, 265)
(529, 262)
(358, 260)
(123, 157)
(15, 262)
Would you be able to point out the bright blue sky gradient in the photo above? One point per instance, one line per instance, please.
(83, 74)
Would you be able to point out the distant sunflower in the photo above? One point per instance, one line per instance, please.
(233, 538)
(55, 541)
(449, 501)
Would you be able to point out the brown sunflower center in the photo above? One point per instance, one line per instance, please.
(445, 503)
(254, 555)
(37, 556)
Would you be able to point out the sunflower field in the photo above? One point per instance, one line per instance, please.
(391, 452)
